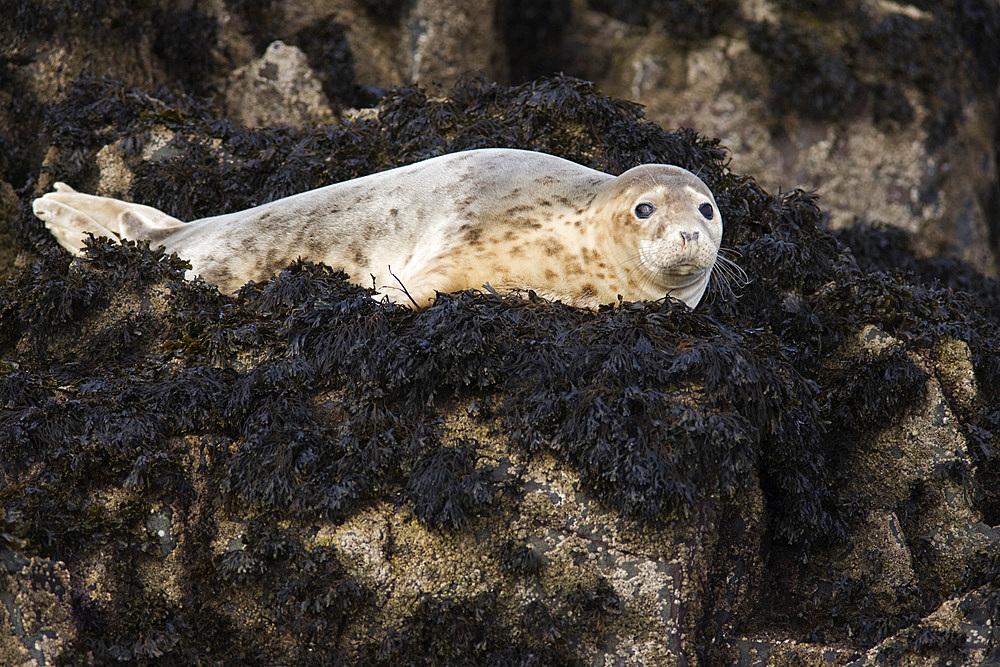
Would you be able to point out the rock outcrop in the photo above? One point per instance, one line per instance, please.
(802, 470)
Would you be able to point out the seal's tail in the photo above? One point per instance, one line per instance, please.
(71, 215)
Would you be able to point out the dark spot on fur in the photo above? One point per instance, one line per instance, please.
(552, 246)
(218, 274)
(274, 262)
(154, 236)
(357, 253)
(514, 210)
(550, 274)
(527, 223)
(317, 248)
(472, 235)
(588, 291)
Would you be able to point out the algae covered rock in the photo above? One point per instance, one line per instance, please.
(299, 473)
(803, 470)
(888, 110)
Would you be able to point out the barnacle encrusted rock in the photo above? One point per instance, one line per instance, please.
(804, 469)
(36, 611)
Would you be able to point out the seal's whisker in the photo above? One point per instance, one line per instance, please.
(645, 275)
(728, 276)
(648, 173)
(730, 268)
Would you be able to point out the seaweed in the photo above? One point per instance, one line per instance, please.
(301, 399)
(444, 630)
(386, 11)
(977, 23)
(183, 42)
(534, 34)
(262, 17)
(686, 22)
(945, 645)
(860, 402)
(831, 62)
(329, 53)
(446, 488)
(813, 80)
(10, 527)
(316, 595)
(14, 161)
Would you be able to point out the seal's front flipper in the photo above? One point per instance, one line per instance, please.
(71, 215)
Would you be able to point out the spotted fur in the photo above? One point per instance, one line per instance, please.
(515, 219)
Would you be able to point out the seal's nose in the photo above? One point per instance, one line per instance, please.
(688, 236)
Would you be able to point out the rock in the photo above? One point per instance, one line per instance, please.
(869, 113)
(278, 89)
(451, 39)
(36, 617)
(886, 109)
(804, 472)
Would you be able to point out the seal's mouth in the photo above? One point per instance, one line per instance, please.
(684, 271)
(681, 277)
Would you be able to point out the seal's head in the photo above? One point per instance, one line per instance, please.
(667, 230)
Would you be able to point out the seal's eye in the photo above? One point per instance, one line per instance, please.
(707, 210)
(644, 210)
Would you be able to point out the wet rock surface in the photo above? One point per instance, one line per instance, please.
(803, 470)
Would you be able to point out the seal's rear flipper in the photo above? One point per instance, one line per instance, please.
(71, 215)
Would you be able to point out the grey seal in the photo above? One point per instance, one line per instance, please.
(512, 218)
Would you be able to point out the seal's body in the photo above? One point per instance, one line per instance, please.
(511, 218)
